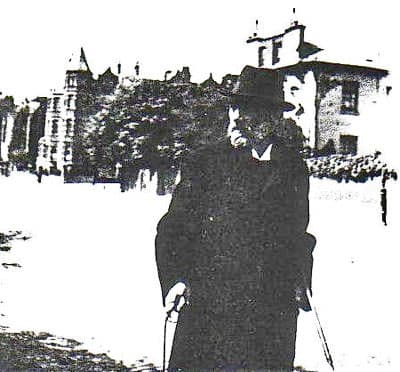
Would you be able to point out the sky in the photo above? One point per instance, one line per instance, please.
(38, 36)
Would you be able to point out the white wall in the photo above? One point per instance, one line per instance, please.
(301, 93)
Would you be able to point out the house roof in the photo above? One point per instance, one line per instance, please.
(311, 56)
(108, 73)
(78, 62)
(210, 82)
(307, 49)
(332, 67)
(352, 57)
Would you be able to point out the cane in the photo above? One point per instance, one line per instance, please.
(165, 342)
(169, 312)
(320, 331)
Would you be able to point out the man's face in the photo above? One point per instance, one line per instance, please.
(254, 124)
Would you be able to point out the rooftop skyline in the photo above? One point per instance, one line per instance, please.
(38, 37)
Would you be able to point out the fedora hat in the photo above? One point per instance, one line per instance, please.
(260, 85)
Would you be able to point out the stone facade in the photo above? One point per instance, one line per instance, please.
(348, 103)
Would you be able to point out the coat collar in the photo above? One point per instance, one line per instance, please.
(265, 156)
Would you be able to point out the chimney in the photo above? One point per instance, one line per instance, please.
(186, 75)
(294, 21)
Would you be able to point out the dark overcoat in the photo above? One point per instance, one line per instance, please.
(235, 233)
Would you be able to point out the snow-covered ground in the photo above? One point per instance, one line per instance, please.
(89, 272)
(355, 279)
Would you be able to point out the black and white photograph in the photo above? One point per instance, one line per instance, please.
(199, 186)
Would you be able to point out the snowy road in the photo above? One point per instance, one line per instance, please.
(355, 279)
(88, 272)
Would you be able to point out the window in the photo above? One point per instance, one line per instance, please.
(70, 81)
(67, 151)
(261, 56)
(69, 100)
(56, 104)
(54, 127)
(348, 144)
(68, 130)
(350, 97)
(45, 151)
(276, 45)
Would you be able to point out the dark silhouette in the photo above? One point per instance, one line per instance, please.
(235, 239)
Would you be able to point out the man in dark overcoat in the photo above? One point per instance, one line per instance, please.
(234, 243)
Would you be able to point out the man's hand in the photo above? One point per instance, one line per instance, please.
(177, 297)
(302, 298)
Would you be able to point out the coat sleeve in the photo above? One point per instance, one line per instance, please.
(293, 190)
(303, 243)
(299, 244)
(299, 191)
(178, 231)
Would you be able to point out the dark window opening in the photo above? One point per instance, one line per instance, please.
(276, 45)
(261, 56)
(56, 104)
(69, 127)
(54, 127)
(70, 81)
(45, 151)
(348, 144)
(67, 152)
(69, 101)
(350, 91)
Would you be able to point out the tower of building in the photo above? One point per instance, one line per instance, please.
(65, 111)
(79, 91)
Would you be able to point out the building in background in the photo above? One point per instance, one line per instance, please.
(37, 122)
(21, 131)
(61, 148)
(7, 110)
(339, 104)
(181, 77)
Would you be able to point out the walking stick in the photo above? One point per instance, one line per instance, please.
(174, 308)
(165, 343)
(320, 331)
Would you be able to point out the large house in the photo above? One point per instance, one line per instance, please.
(340, 102)
(67, 109)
